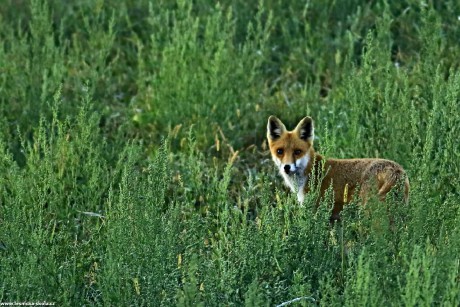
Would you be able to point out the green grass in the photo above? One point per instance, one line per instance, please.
(134, 168)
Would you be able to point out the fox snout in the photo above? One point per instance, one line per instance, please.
(289, 168)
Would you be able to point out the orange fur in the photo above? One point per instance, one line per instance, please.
(293, 153)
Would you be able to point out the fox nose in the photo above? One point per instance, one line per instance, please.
(287, 168)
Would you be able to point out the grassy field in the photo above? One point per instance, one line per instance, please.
(134, 169)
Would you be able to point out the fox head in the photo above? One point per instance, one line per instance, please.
(292, 151)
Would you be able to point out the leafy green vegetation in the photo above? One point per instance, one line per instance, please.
(134, 168)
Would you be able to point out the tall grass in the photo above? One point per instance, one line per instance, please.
(134, 169)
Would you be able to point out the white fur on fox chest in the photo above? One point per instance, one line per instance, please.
(297, 184)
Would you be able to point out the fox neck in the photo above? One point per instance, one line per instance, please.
(299, 183)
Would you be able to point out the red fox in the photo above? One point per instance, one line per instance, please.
(293, 153)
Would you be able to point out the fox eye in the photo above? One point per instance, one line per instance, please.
(297, 152)
(280, 151)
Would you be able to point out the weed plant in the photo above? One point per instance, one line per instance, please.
(134, 169)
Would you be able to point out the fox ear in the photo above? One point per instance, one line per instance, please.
(305, 129)
(275, 128)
